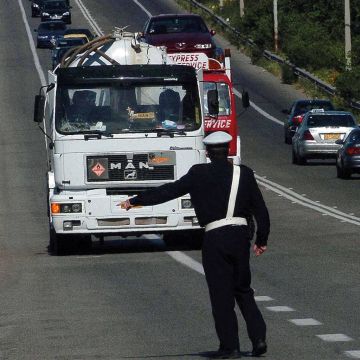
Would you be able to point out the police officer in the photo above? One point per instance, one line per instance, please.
(224, 198)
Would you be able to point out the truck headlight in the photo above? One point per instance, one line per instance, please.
(66, 208)
(202, 46)
(186, 204)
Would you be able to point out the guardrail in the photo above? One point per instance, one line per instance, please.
(329, 89)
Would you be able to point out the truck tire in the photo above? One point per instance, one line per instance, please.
(59, 244)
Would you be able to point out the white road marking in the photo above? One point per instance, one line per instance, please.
(187, 261)
(305, 322)
(263, 298)
(280, 308)
(334, 337)
(142, 7)
(354, 354)
(259, 110)
(89, 18)
(32, 45)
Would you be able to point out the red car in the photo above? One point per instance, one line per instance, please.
(180, 33)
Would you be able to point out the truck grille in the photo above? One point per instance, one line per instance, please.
(129, 167)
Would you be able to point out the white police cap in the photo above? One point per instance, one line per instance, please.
(217, 138)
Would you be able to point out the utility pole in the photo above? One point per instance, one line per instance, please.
(276, 33)
(241, 8)
(347, 35)
(221, 4)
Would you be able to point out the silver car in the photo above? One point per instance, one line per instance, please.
(316, 136)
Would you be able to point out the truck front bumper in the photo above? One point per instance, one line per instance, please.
(101, 214)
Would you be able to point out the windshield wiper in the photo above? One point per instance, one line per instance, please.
(95, 134)
(168, 132)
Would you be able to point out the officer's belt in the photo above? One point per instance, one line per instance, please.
(224, 222)
(230, 219)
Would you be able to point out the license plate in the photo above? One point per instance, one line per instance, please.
(55, 17)
(331, 136)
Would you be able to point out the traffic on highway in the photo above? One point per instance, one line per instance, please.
(81, 277)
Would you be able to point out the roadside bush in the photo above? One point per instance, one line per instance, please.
(256, 54)
(348, 84)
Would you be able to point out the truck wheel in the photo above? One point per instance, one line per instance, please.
(59, 244)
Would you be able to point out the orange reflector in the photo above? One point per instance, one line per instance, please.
(55, 208)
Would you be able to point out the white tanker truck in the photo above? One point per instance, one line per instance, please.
(118, 119)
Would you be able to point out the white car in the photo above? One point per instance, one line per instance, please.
(316, 136)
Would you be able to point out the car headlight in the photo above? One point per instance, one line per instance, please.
(45, 14)
(186, 204)
(36, 6)
(42, 36)
(203, 46)
(66, 13)
(63, 208)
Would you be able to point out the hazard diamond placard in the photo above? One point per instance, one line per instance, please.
(97, 168)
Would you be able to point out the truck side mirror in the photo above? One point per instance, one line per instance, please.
(245, 99)
(39, 108)
(213, 102)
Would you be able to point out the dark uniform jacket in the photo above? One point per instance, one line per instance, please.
(209, 187)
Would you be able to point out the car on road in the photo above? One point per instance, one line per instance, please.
(348, 156)
(36, 6)
(297, 111)
(56, 10)
(63, 45)
(86, 34)
(186, 33)
(315, 137)
(48, 33)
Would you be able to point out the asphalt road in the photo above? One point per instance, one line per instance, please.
(131, 299)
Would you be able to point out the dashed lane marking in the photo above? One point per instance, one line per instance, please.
(334, 337)
(354, 354)
(280, 308)
(305, 322)
(263, 298)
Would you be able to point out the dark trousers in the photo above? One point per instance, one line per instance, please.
(226, 254)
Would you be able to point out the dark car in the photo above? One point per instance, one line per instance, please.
(36, 6)
(296, 114)
(62, 46)
(48, 32)
(180, 33)
(56, 10)
(348, 156)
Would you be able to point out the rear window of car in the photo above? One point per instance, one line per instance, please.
(177, 25)
(53, 5)
(52, 26)
(302, 108)
(330, 120)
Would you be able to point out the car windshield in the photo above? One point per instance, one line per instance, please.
(54, 5)
(330, 120)
(137, 108)
(177, 25)
(302, 108)
(52, 26)
(223, 97)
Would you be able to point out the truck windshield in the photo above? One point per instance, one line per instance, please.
(223, 97)
(132, 108)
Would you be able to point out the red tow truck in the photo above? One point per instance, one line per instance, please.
(217, 76)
